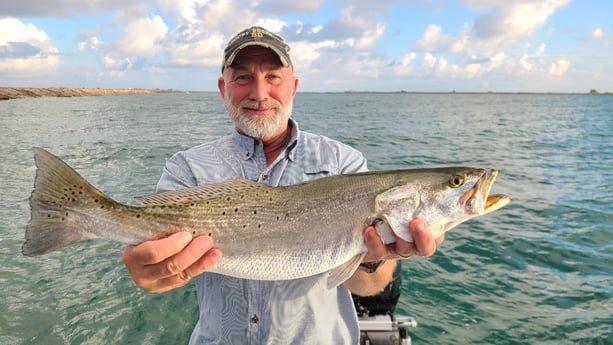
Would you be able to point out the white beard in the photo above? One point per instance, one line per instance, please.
(259, 126)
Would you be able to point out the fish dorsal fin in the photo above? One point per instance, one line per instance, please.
(229, 188)
(339, 274)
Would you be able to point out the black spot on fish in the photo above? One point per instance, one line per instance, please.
(255, 211)
(138, 216)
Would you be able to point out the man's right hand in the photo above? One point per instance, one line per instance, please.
(169, 263)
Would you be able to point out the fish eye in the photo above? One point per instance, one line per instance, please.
(456, 181)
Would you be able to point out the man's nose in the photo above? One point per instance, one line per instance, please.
(260, 90)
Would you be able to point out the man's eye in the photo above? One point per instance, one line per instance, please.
(274, 78)
(242, 79)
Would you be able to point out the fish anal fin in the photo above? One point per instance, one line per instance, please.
(339, 274)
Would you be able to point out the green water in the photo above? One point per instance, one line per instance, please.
(539, 271)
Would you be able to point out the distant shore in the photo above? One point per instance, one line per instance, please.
(23, 92)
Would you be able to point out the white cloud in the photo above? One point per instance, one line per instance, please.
(541, 50)
(63, 8)
(200, 53)
(25, 47)
(597, 33)
(433, 40)
(525, 64)
(504, 25)
(335, 42)
(559, 67)
(370, 37)
(142, 37)
(227, 16)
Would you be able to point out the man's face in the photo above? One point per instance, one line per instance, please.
(258, 92)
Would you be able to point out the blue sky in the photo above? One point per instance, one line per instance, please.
(338, 45)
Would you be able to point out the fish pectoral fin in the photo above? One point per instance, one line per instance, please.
(396, 207)
(339, 274)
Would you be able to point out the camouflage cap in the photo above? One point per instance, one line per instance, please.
(256, 36)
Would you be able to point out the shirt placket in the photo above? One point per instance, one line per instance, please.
(254, 311)
(256, 317)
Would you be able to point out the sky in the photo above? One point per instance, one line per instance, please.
(336, 45)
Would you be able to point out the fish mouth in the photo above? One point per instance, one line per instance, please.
(495, 201)
(479, 195)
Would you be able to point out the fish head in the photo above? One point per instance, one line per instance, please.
(443, 198)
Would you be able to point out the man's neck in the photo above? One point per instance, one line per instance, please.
(275, 145)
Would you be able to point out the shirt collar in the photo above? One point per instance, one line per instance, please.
(247, 144)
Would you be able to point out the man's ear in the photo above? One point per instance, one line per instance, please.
(221, 85)
(295, 88)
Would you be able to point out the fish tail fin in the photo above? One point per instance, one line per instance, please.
(55, 220)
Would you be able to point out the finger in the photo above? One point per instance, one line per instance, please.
(155, 251)
(439, 240)
(403, 249)
(201, 265)
(376, 248)
(177, 264)
(422, 237)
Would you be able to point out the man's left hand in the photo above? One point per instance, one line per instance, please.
(423, 243)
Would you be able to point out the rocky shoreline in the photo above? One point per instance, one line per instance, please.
(23, 92)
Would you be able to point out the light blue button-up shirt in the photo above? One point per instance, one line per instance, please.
(242, 311)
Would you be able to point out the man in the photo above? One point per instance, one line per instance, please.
(258, 87)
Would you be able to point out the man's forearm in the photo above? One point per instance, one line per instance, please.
(367, 284)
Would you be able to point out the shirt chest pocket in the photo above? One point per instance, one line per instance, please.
(314, 172)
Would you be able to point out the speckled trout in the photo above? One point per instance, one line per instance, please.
(265, 233)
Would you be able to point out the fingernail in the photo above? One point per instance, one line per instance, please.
(206, 242)
(184, 235)
(418, 225)
(215, 254)
(370, 233)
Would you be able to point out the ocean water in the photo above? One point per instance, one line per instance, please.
(539, 271)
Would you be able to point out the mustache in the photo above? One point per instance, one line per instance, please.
(259, 104)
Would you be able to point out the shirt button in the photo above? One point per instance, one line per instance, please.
(254, 319)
